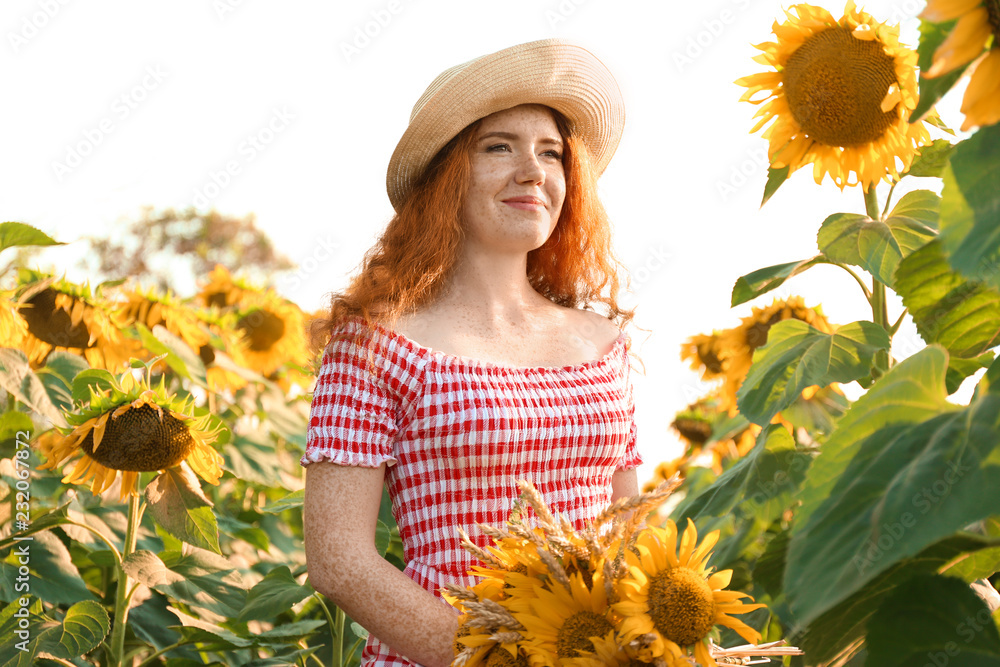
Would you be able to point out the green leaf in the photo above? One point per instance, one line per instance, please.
(66, 365)
(904, 470)
(775, 177)
(289, 632)
(931, 90)
(200, 578)
(17, 378)
(253, 459)
(819, 413)
(933, 619)
(959, 369)
(291, 501)
(931, 160)
(980, 564)
(764, 280)
(878, 246)
(797, 356)
(273, 595)
(179, 505)
(761, 484)
(54, 576)
(86, 624)
(19, 234)
(182, 359)
(98, 378)
(970, 207)
(383, 536)
(961, 315)
(845, 624)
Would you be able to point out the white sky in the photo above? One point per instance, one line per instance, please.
(165, 94)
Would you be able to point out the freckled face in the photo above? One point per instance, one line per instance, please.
(517, 184)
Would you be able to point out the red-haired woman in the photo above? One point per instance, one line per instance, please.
(462, 358)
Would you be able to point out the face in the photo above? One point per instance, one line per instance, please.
(517, 184)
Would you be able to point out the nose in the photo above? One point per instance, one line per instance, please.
(530, 170)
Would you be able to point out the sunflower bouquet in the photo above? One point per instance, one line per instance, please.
(617, 592)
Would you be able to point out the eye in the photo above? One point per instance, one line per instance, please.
(496, 147)
(554, 153)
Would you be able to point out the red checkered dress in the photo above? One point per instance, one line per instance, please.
(456, 435)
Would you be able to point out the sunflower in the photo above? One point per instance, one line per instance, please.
(222, 354)
(151, 309)
(61, 315)
(273, 330)
(737, 345)
(566, 624)
(132, 428)
(673, 596)
(705, 355)
(664, 471)
(222, 290)
(841, 93)
(13, 328)
(978, 21)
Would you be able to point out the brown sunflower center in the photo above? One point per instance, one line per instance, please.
(138, 441)
(501, 657)
(835, 84)
(51, 325)
(681, 605)
(695, 431)
(575, 633)
(709, 358)
(207, 354)
(756, 334)
(993, 10)
(217, 299)
(262, 329)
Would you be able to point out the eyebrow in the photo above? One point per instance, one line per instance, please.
(511, 136)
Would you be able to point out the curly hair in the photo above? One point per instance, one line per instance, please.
(411, 261)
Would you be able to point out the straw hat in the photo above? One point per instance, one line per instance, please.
(552, 72)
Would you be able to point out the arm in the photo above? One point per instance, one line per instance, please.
(624, 483)
(340, 512)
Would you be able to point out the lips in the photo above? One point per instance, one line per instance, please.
(526, 202)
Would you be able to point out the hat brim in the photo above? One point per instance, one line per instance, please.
(552, 72)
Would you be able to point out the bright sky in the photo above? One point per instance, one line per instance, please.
(113, 105)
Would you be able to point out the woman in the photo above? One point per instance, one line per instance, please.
(459, 359)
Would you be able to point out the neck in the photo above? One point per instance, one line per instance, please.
(492, 289)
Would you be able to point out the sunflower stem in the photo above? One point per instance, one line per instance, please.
(122, 596)
(888, 199)
(333, 625)
(880, 314)
(861, 283)
(338, 643)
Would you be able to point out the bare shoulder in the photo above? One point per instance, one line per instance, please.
(596, 328)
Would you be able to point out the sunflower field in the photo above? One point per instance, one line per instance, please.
(151, 477)
(150, 444)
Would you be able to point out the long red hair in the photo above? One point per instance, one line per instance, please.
(411, 261)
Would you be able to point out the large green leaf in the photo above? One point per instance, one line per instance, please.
(981, 564)
(17, 378)
(931, 90)
(273, 595)
(905, 469)
(19, 234)
(291, 501)
(962, 315)
(762, 483)
(797, 356)
(181, 358)
(931, 160)
(775, 177)
(970, 207)
(200, 578)
(878, 246)
(764, 280)
(54, 576)
(932, 619)
(846, 623)
(179, 505)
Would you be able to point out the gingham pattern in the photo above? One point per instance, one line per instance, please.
(456, 435)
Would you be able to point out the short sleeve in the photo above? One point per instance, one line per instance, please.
(631, 458)
(360, 397)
